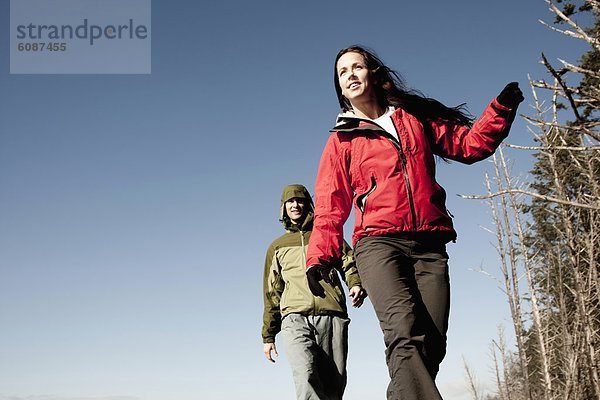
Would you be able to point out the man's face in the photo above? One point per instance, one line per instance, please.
(295, 208)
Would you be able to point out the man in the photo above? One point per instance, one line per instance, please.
(314, 329)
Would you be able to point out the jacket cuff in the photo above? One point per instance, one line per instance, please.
(354, 281)
(500, 109)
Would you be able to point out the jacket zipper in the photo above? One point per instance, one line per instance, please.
(398, 145)
(314, 305)
(411, 202)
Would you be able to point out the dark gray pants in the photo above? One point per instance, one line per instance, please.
(408, 284)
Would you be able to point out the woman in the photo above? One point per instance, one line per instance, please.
(380, 158)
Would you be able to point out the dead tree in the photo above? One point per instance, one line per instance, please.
(548, 229)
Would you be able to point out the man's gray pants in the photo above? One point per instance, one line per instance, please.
(316, 347)
(408, 284)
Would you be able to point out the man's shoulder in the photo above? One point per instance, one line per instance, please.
(289, 239)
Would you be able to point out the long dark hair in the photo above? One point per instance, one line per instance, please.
(391, 90)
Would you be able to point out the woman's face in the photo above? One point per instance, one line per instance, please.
(355, 79)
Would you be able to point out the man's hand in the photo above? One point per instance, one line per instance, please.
(511, 95)
(314, 274)
(358, 295)
(268, 348)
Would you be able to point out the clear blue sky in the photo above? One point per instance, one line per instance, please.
(135, 210)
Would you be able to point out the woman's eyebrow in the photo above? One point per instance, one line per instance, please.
(352, 66)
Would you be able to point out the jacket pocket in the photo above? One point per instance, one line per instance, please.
(335, 288)
(361, 200)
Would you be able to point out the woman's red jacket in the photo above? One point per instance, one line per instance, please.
(390, 182)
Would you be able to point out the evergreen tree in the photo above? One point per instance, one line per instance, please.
(563, 239)
(557, 250)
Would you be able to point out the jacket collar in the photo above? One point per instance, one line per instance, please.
(306, 225)
(349, 122)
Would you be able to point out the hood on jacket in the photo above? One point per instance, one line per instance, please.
(348, 121)
(289, 192)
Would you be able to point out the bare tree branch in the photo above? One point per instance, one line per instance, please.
(532, 194)
(582, 34)
(564, 86)
(545, 148)
(575, 68)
